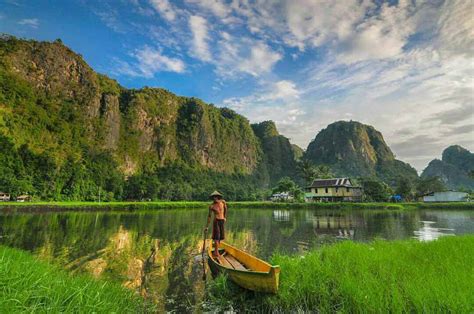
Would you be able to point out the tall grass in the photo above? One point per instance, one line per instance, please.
(29, 285)
(380, 277)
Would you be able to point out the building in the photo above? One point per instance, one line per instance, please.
(4, 197)
(333, 190)
(281, 197)
(447, 196)
(23, 198)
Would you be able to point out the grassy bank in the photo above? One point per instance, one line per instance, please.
(104, 206)
(29, 285)
(380, 277)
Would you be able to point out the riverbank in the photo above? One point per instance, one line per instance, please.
(106, 206)
(378, 277)
(30, 285)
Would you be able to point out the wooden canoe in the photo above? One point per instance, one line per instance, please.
(245, 270)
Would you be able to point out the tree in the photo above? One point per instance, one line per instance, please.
(307, 170)
(323, 172)
(429, 185)
(287, 185)
(310, 172)
(404, 188)
(375, 190)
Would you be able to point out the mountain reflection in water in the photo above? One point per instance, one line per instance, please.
(155, 253)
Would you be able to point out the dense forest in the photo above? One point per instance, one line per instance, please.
(69, 133)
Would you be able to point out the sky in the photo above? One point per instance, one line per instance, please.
(405, 67)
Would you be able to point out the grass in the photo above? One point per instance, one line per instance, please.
(30, 285)
(94, 206)
(379, 277)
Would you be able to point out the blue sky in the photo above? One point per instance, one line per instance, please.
(405, 67)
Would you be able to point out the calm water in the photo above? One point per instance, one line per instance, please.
(158, 253)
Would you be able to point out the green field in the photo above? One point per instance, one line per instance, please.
(29, 285)
(379, 277)
(53, 206)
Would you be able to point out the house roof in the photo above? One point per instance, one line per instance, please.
(334, 182)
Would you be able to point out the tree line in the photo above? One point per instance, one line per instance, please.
(374, 189)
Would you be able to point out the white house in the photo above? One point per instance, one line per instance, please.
(284, 196)
(447, 196)
(4, 197)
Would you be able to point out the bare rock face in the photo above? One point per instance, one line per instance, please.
(111, 114)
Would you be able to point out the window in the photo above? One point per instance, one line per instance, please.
(316, 191)
(327, 190)
(337, 190)
(348, 190)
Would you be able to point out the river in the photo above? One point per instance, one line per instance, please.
(157, 253)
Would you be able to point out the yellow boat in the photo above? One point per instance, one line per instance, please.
(245, 270)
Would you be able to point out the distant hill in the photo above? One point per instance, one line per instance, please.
(454, 168)
(354, 149)
(280, 155)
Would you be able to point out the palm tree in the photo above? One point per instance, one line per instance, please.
(307, 170)
(323, 172)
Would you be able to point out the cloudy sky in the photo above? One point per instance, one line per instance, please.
(405, 67)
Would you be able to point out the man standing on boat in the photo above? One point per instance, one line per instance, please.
(219, 208)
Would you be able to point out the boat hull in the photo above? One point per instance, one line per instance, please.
(260, 276)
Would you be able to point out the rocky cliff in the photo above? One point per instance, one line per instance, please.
(139, 126)
(455, 169)
(354, 149)
(55, 107)
(280, 156)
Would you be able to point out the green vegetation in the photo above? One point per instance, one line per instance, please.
(354, 149)
(375, 190)
(30, 285)
(309, 172)
(70, 134)
(67, 206)
(379, 277)
(429, 185)
(287, 185)
(279, 155)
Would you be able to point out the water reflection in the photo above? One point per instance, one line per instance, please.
(428, 232)
(154, 253)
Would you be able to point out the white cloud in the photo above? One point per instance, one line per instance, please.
(456, 28)
(320, 22)
(149, 62)
(111, 20)
(405, 66)
(165, 9)
(217, 7)
(260, 60)
(237, 55)
(284, 89)
(199, 28)
(275, 101)
(33, 23)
